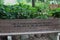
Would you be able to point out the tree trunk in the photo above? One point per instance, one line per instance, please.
(33, 3)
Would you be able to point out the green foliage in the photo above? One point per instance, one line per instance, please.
(20, 11)
(1, 2)
(42, 6)
(55, 12)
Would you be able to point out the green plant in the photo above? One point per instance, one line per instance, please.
(55, 12)
(20, 11)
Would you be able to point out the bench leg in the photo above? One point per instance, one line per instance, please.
(57, 37)
(9, 37)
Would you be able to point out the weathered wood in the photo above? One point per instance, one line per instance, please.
(29, 26)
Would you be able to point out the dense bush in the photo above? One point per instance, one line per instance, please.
(42, 6)
(20, 11)
(55, 12)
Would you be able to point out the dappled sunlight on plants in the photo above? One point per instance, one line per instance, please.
(20, 11)
(24, 10)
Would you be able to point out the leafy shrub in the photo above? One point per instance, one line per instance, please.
(42, 6)
(55, 12)
(20, 11)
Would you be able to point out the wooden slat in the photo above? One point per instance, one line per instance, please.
(29, 25)
(39, 32)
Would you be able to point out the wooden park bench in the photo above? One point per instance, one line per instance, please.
(29, 26)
